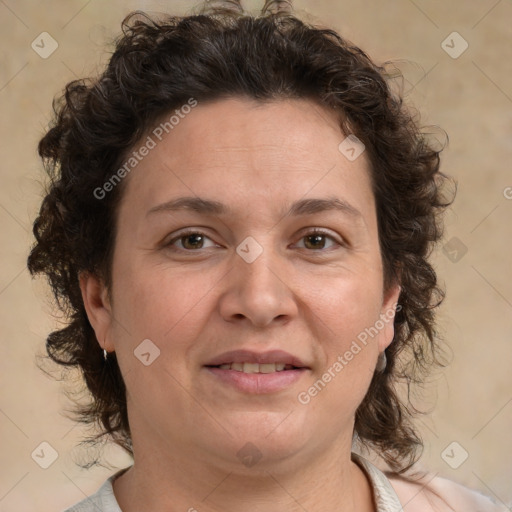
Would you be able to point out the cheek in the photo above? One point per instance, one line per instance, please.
(170, 307)
(346, 304)
(166, 305)
(347, 315)
(158, 315)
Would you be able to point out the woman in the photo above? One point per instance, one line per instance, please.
(238, 224)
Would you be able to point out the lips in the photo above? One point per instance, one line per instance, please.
(248, 356)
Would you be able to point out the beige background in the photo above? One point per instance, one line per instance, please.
(470, 97)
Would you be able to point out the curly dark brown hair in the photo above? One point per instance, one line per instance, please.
(222, 52)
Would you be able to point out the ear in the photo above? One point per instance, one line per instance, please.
(387, 315)
(97, 306)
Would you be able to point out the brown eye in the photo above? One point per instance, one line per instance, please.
(318, 241)
(315, 241)
(190, 241)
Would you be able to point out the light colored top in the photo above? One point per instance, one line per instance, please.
(384, 495)
(103, 500)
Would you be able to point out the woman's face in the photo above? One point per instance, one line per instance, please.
(254, 276)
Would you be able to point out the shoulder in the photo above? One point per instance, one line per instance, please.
(436, 494)
(103, 500)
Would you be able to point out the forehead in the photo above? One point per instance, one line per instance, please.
(296, 131)
(235, 150)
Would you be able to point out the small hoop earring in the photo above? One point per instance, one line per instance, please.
(105, 355)
(381, 362)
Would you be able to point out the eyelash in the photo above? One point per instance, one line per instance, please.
(313, 232)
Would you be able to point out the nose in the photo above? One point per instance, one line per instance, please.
(258, 293)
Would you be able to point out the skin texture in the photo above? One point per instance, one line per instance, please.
(193, 304)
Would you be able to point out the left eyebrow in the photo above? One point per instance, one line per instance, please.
(311, 206)
(301, 207)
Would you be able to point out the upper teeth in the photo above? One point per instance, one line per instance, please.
(255, 367)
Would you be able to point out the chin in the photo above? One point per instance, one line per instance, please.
(260, 438)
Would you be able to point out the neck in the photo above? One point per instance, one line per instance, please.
(170, 481)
